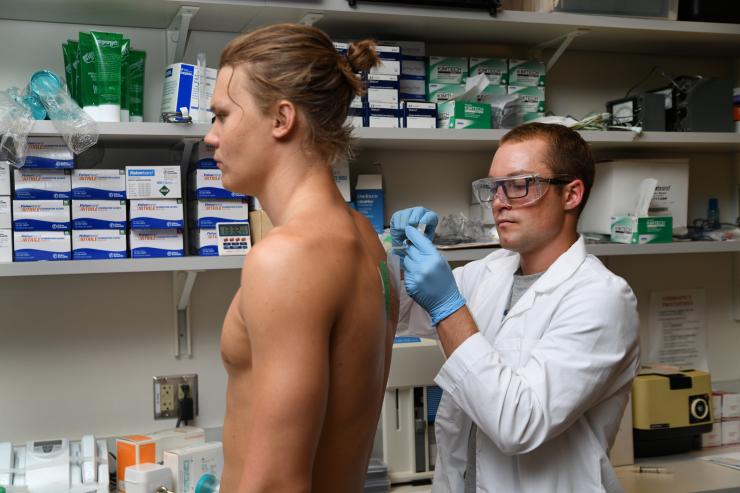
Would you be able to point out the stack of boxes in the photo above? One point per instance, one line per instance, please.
(41, 202)
(416, 112)
(156, 217)
(98, 214)
(381, 101)
(6, 233)
(726, 416)
(212, 203)
(527, 79)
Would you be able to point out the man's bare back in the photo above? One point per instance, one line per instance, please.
(307, 344)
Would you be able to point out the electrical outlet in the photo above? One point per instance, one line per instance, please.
(169, 391)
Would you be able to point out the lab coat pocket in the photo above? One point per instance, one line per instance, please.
(509, 349)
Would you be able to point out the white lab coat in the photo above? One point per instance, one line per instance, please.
(546, 384)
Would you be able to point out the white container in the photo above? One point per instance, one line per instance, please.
(730, 405)
(205, 242)
(712, 438)
(189, 464)
(153, 182)
(208, 184)
(617, 185)
(156, 214)
(42, 184)
(41, 215)
(96, 244)
(146, 478)
(4, 178)
(155, 243)
(99, 184)
(716, 405)
(182, 88)
(6, 249)
(6, 218)
(730, 432)
(99, 214)
(48, 153)
(208, 213)
(32, 246)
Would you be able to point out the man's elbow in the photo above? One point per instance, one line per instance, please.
(521, 436)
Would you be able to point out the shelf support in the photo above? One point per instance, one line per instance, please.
(178, 33)
(182, 288)
(311, 18)
(565, 40)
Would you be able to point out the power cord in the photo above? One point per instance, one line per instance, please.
(185, 408)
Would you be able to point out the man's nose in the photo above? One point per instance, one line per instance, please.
(499, 200)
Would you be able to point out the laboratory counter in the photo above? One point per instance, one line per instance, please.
(687, 473)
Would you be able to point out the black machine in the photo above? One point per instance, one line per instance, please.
(490, 5)
(644, 110)
(689, 104)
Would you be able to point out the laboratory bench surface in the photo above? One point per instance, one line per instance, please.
(688, 474)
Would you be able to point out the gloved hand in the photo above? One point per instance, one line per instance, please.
(411, 217)
(428, 278)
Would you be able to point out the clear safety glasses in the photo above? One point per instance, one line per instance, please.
(519, 190)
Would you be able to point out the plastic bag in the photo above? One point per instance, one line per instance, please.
(78, 129)
(457, 228)
(16, 121)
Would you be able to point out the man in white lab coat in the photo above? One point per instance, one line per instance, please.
(541, 339)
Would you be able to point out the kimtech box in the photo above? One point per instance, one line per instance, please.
(41, 215)
(463, 114)
(208, 184)
(48, 153)
(156, 214)
(208, 213)
(528, 73)
(447, 70)
(33, 246)
(42, 184)
(155, 243)
(439, 93)
(495, 69)
(6, 217)
(98, 184)
(182, 87)
(153, 182)
(99, 214)
(533, 99)
(640, 230)
(95, 244)
(6, 245)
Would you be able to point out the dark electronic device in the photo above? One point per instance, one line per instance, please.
(698, 104)
(490, 5)
(727, 11)
(643, 110)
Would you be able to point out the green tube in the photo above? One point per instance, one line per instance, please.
(125, 47)
(69, 50)
(135, 92)
(87, 95)
(108, 71)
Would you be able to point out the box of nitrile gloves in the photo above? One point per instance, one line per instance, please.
(154, 243)
(208, 184)
(383, 115)
(208, 213)
(41, 215)
(48, 153)
(98, 184)
(98, 214)
(156, 214)
(96, 244)
(419, 114)
(32, 246)
(390, 60)
(42, 184)
(205, 242)
(382, 89)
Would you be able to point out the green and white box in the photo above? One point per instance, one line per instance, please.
(464, 114)
(491, 93)
(529, 73)
(438, 93)
(447, 70)
(496, 69)
(533, 100)
(643, 229)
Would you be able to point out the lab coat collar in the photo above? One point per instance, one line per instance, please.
(560, 270)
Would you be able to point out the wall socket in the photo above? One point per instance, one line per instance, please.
(169, 390)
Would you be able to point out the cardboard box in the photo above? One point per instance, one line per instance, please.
(730, 405)
(412, 88)
(4, 178)
(447, 70)
(717, 405)
(205, 242)
(156, 243)
(383, 115)
(382, 89)
(208, 184)
(712, 438)
(202, 156)
(533, 100)
(153, 182)
(207, 213)
(48, 153)
(261, 225)
(189, 464)
(156, 214)
(100, 184)
(42, 184)
(33, 246)
(150, 448)
(463, 114)
(495, 69)
(617, 186)
(6, 217)
(99, 214)
(6, 245)
(41, 215)
(730, 432)
(390, 60)
(640, 230)
(181, 89)
(93, 244)
(439, 93)
(529, 73)
(370, 199)
(417, 114)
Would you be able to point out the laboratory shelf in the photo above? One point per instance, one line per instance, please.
(72, 267)
(387, 21)
(416, 139)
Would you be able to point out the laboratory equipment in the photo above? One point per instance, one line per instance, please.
(233, 238)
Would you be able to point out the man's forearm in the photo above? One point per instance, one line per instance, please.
(455, 329)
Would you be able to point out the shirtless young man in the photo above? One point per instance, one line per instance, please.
(307, 339)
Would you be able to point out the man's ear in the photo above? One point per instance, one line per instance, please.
(573, 195)
(285, 119)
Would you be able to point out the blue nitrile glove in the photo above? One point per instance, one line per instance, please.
(411, 217)
(428, 278)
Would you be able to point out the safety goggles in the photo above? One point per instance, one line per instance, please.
(519, 190)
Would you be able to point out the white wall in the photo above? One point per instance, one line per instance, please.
(77, 353)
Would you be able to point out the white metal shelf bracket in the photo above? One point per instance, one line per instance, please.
(311, 18)
(178, 33)
(565, 40)
(182, 288)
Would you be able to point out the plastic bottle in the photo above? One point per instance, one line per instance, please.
(713, 213)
